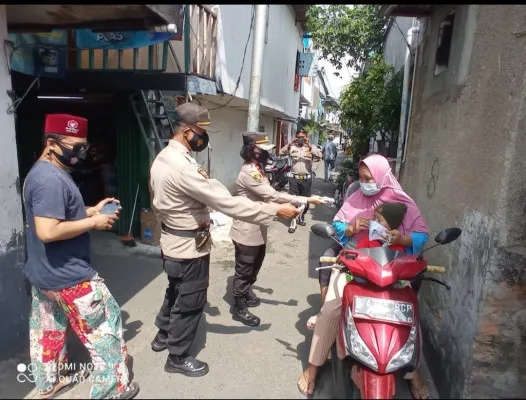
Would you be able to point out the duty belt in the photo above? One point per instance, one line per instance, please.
(201, 235)
(301, 177)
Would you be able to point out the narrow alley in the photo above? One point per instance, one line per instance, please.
(262, 362)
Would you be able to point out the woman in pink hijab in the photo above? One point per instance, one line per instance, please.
(377, 185)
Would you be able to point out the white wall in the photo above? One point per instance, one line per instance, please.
(226, 142)
(13, 296)
(279, 61)
(10, 204)
(396, 43)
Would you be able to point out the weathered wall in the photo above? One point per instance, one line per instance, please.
(226, 141)
(464, 169)
(13, 294)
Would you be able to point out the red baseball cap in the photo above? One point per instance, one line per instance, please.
(66, 125)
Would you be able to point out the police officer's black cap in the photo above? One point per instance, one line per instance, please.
(259, 139)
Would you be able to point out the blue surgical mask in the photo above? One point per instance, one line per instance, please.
(369, 189)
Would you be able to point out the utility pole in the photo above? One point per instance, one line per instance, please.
(258, 49)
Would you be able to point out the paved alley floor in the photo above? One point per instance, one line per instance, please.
(262, 362)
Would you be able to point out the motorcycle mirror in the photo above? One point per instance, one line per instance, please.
(324, 230)
(448, 235)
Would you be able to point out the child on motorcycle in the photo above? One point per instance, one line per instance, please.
(389, 216)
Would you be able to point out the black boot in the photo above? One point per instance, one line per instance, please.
(186, 365)
(242, 314)
(252, 300)
(159, 342)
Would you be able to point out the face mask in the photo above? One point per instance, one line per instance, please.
(72, 157)
(198, 142)
(300, 142)
(369, 189)
(262, 157)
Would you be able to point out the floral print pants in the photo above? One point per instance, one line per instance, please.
(91, 311)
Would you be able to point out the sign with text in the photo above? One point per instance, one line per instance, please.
(39, 54)
(88, 39)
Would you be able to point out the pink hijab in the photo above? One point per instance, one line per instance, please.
(360, 205)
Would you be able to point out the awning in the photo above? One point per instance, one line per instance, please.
(406, 10)
(45, 17)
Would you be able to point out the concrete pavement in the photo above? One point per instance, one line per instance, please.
(262, 362)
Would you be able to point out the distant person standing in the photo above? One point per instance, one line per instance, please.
(303, 154)
(329, 151)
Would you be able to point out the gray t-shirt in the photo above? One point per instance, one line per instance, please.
(50, 192)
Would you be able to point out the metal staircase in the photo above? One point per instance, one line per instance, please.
(154, 115)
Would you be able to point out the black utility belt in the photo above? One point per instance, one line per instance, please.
(201, 235)
(179, 232)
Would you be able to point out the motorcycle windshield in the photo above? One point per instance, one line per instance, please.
(382, 255)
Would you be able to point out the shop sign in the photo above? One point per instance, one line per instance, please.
(39, 54)
(88, 39)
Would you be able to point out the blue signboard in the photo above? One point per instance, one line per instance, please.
(87, 39)
(39, 54)
(305, 63)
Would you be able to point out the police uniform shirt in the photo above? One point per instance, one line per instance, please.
(253, 184)
(181, 191)
(302, 157)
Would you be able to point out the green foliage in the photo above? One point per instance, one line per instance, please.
(339, 30)
(369, 105)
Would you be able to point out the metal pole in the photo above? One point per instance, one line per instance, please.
(258, 49)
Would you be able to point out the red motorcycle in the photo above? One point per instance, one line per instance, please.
(379, 327)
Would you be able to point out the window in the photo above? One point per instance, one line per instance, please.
(445, 35)
(261, 128)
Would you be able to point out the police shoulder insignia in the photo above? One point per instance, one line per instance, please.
(202, 171)
(256, 176)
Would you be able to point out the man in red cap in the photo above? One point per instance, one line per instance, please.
(66, 290)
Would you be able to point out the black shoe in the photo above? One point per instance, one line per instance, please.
(301, 221)
(242, 314)
(253, 301)
(159, 342)
(292, 230)
(188, 366)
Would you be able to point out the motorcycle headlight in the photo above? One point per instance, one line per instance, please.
(404, 355)
(357, 346)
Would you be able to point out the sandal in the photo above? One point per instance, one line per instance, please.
(65, 384)
(129, 393)
(310, 385)
(419, 388)
(311, 323)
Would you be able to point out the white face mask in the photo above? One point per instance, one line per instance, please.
(369, 189)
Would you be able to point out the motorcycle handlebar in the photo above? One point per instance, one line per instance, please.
(434, 268)
(329, 260)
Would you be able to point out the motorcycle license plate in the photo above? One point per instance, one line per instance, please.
(383, 310)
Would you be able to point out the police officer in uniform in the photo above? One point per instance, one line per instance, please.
(250, 239)
(302, 154)
(182, 192)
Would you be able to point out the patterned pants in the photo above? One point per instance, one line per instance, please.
(94, 315)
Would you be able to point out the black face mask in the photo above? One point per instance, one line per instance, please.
(198, 142)
(262, 157)
(72, 157)
(300, 142)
